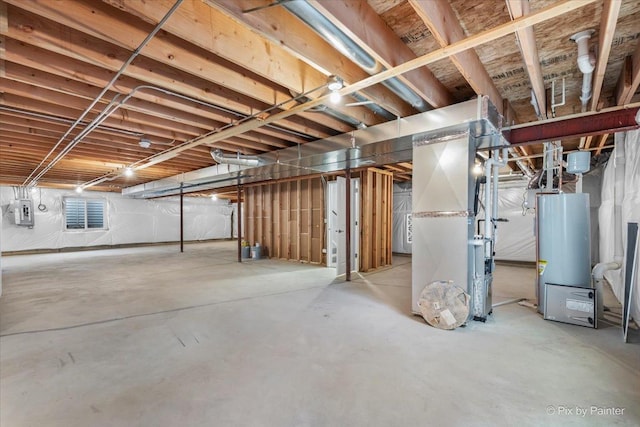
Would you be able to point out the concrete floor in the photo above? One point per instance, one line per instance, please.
(151, 337)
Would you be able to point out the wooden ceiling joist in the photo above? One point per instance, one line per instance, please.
(280, 26)
(441, 20)
(629, 78)
(195, 50)
(57, 38)
(529, 51)
(611, 9)
(360, 22)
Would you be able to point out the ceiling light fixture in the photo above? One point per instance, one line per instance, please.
(144, 143)
(214, 197)
(334, 84)
(79, 189)
(477, 169)
(128, 172)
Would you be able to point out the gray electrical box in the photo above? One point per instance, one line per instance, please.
(571, 304)
(23, 212)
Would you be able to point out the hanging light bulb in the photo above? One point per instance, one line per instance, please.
(79, 189)
(214, 197)
(335, 97)
(128, 172)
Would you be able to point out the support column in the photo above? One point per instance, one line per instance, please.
(181, 219)
(239, 198)
(347, 215)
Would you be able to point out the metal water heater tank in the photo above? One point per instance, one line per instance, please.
(564, 242)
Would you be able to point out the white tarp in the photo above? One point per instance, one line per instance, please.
(128, 221)
(401, 235)
(629, 183)
(515, 239)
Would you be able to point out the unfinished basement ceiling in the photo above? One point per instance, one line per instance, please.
(214, 63)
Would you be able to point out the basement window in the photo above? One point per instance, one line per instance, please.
(84, 214)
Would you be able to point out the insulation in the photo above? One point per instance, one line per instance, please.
(401, 238)
(129, 221)
(630, 212)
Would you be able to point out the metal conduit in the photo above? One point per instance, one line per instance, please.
(63, 120)
(115, 77)
(334, 36)
(150, 159)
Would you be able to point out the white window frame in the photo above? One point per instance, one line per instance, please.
(86, 227)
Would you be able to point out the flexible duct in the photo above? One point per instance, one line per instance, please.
(586, 64)
(240, 160)
(334, 36)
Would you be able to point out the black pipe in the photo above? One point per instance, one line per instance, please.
(347, 175)
(239, 197)
(181, 219)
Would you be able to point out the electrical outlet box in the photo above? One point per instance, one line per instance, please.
(23, 212)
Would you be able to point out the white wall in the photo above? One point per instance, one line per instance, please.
(128, 220)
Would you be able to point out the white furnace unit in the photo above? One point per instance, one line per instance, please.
(445, 202)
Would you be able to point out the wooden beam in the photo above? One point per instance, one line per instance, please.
(218, 33)
(278, 25)
(629, 78)
(549, 12)
(61, 37)
(529, 51)
(608, 20)
(68, 83)
(601, 142)
(362, 24)
(441, 20)
(587, 141)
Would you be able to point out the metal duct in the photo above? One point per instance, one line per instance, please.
(386, 143)
(238, 159)
(377, 110)
(331, 112)
(334, 36)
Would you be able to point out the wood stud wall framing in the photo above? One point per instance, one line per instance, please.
(287, 218)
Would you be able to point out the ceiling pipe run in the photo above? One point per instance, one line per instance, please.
(334, 36)
(32, 180)
(238, 159)
(586, 64)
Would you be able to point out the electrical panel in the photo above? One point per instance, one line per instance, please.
(23, 212)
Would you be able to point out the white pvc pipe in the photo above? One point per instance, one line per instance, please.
(586, 64)
(598, 276)
(600, 268)
(586, 90)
